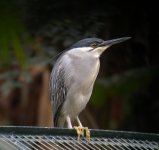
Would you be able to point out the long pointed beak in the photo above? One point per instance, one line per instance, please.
(114, 41)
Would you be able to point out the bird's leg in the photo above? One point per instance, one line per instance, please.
(80, 130)
(79, 122)
(69, 124)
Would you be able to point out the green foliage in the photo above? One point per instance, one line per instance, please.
(11, 33)
(122, 84)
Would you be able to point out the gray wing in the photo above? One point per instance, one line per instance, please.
(57, 90)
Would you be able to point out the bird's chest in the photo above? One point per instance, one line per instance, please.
(81, 72)
(82, 76)
(87, 75)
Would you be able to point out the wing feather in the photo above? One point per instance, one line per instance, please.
(57, 90)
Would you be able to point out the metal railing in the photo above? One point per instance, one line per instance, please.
(38, 138)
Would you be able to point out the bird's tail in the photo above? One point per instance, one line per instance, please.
(59, 120)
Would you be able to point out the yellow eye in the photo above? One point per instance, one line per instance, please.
(93, 45)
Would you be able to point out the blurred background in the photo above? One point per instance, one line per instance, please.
(126, 93)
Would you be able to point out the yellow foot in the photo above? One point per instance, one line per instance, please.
(87, 134)
(81, 131)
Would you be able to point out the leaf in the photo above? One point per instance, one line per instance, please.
(11, 33)
(123, 84)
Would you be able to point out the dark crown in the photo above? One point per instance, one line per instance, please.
(87, 42)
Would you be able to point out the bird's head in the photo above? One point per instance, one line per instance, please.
(96, 46)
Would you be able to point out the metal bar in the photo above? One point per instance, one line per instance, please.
(74, 142)
(9, 143)
(33, 142)
(49, 143)
(101, 143)
(65, 139)
(18, 141)
(87, 144)
(22, 138)
(125, 144)
(94, 144)
(25, 141)
(79, 143)
(41, 141)
(105, 142)
(71, 132)
(61, 143)
(153, 144)
(54, 143)
(116, 143)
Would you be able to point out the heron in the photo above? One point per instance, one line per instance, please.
(72, 79)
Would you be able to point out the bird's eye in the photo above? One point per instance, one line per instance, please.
(94, 45)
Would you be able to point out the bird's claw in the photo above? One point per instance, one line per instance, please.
(81, 131)
(87, 131)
